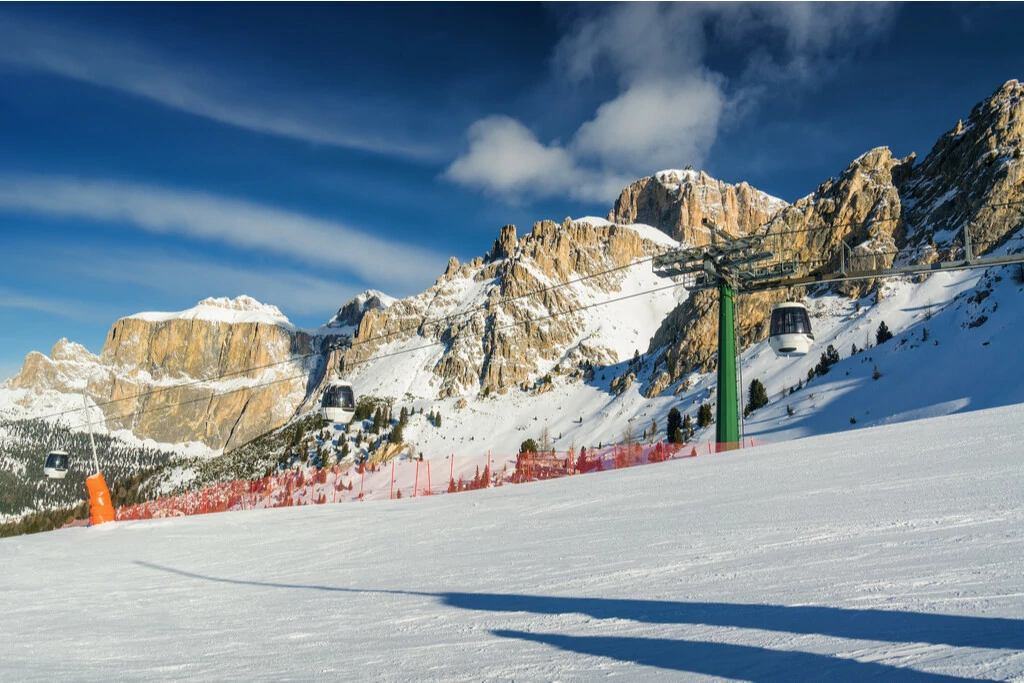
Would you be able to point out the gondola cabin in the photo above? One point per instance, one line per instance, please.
(790, 333)
(338, 404)
(56, 465)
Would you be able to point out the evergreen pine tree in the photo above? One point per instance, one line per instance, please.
(437, 419)
(829, 357)
(757, 396)
(688, 430)
(675, 421)
(396, 434)
(403, 417)
(704, 415)
(883, 334)
(832, 355)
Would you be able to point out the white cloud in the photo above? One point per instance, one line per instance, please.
(654, 124)
(670, 104)
(130, 68)
(237, 223)
(634, 42)
(506, 157)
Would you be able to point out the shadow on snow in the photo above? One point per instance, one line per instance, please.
(720, 659)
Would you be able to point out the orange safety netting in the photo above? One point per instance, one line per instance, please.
(410, 478)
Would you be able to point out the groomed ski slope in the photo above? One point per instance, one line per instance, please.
(893, 553)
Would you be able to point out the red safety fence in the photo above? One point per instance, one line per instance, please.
(409, 478)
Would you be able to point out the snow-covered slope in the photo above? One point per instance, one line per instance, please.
(884, 554)
(958, 368)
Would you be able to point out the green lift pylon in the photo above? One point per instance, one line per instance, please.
(727, 423)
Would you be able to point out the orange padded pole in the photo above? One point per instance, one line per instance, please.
(100, 509)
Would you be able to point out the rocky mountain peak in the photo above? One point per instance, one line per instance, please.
(678, 201)
(972, 176)
(506, 242)
(71, 351)
(352, 313)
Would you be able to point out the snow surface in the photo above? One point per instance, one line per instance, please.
(242, 309)
(894, 553)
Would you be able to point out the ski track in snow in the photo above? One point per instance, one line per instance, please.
(893, 553)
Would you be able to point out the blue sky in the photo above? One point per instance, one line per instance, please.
(153, 155)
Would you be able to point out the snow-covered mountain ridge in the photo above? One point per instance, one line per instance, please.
(242, 309)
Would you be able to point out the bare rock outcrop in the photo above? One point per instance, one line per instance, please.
(499, 321)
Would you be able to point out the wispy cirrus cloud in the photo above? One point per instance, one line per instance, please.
(190, 280)
(671, 104)
(171, 80)
(62, 307)
(379, 262)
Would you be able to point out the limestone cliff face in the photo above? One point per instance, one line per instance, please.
(220, 373)
(515, 321)
(678, 201)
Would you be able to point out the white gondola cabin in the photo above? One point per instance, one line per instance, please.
(56, 465)
(338, 403)
(790, 333)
